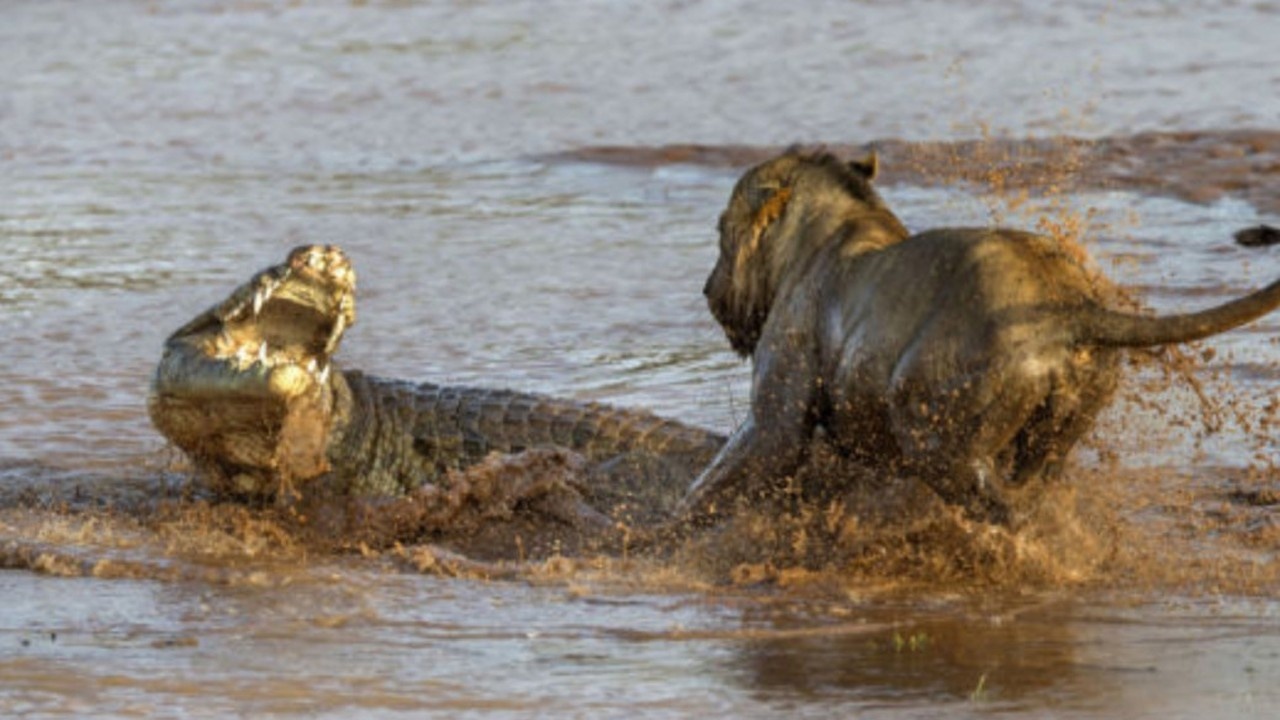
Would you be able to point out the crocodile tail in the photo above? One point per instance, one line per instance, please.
(1098, 326)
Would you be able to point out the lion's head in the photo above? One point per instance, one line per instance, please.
(780, 213)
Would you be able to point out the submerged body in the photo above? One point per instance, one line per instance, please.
(973, 359)
(249, 391)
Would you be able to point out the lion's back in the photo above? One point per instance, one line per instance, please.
(949, 298)
(1002, 267)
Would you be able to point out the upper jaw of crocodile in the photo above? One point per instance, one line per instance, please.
(289, 316)
(246, 389)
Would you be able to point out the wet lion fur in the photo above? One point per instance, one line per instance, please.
(971, 358)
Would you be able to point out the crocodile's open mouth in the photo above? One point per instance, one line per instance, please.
(287, 320)
(244, 388)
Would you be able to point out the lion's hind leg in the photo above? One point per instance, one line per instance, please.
(958, 439)
(1066, 415)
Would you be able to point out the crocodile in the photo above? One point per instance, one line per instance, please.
(249, 390)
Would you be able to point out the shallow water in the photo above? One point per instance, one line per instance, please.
(155, 155)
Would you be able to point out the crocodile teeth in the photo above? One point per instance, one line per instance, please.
(259, 297)
(262, 353)
(226, 313)
(263, 294)
(321, 374)
(339, 326)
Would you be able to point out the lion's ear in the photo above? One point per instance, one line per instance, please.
(759, 194)
(770, 202)
(868, 167)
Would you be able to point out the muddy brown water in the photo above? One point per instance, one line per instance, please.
(529, 190)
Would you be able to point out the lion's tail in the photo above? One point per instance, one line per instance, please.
(1117, 329)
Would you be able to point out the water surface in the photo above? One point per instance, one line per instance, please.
(154, 155)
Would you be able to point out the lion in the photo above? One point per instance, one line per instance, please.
(972, 359)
